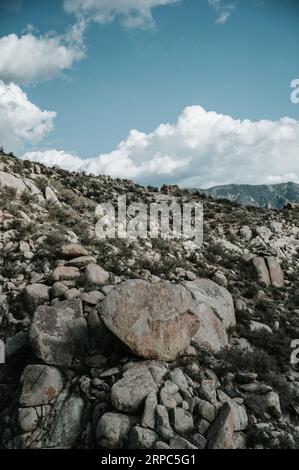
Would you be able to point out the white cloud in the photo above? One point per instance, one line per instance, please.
(201, 149)
(223, 9)
(132, 13)
(30, 58)
(21, 121)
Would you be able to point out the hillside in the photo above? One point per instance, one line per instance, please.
(149, 343)
(271, 196)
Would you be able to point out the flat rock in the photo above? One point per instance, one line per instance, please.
(74, 250)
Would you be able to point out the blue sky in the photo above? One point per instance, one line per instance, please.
(140, 77)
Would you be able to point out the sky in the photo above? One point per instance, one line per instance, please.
(189, 92)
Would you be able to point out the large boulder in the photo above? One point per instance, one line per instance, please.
(157, 321)
(215, 296)
(58, 334)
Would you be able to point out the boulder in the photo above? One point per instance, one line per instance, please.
(221, 432)
(129, 393)
(10, 181)
(182, 421)
(74, 250)
(41, 385)
(141, 438)
(81, 261)
(261, 270)
(67, 424)
(160, 318)
(113, 430)
(35, 295)
(215, 296)
(96, 275)
(58, 334)
(275, 272)
(148, 417)
(66, 273)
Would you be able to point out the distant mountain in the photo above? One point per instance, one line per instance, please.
(271, 196)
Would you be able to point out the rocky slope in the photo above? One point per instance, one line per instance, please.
(148, 344)
(271, 196)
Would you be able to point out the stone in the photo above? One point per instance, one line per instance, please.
(258, 326)
(275, 272)
(10, 181)
(66, 273)
(221, 432)
(268, 403)
(94, 274)
(73, 250)
(148, 416)
(67, 424)
(58, 334)
(141, 438)
(129, 393)
(92, 298)
(161, 445)
(162, 423)
(58, 290)
(167, 394)
(160, 318)
(177, 376)
(81, 261)
(182, 421)
(261, 270)
(220, 279)
(35, 295)
(28, 419)
(206, 410)
(41, 385)
(203, 426)
(211, 334)
(199, 441)
(15, 346)
(113, 430)
(50, 196)
(216, 297)
(178, 442)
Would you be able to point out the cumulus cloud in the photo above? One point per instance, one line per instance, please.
(132, 13)
(21, 121)
(30, 58)
(201, 149)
